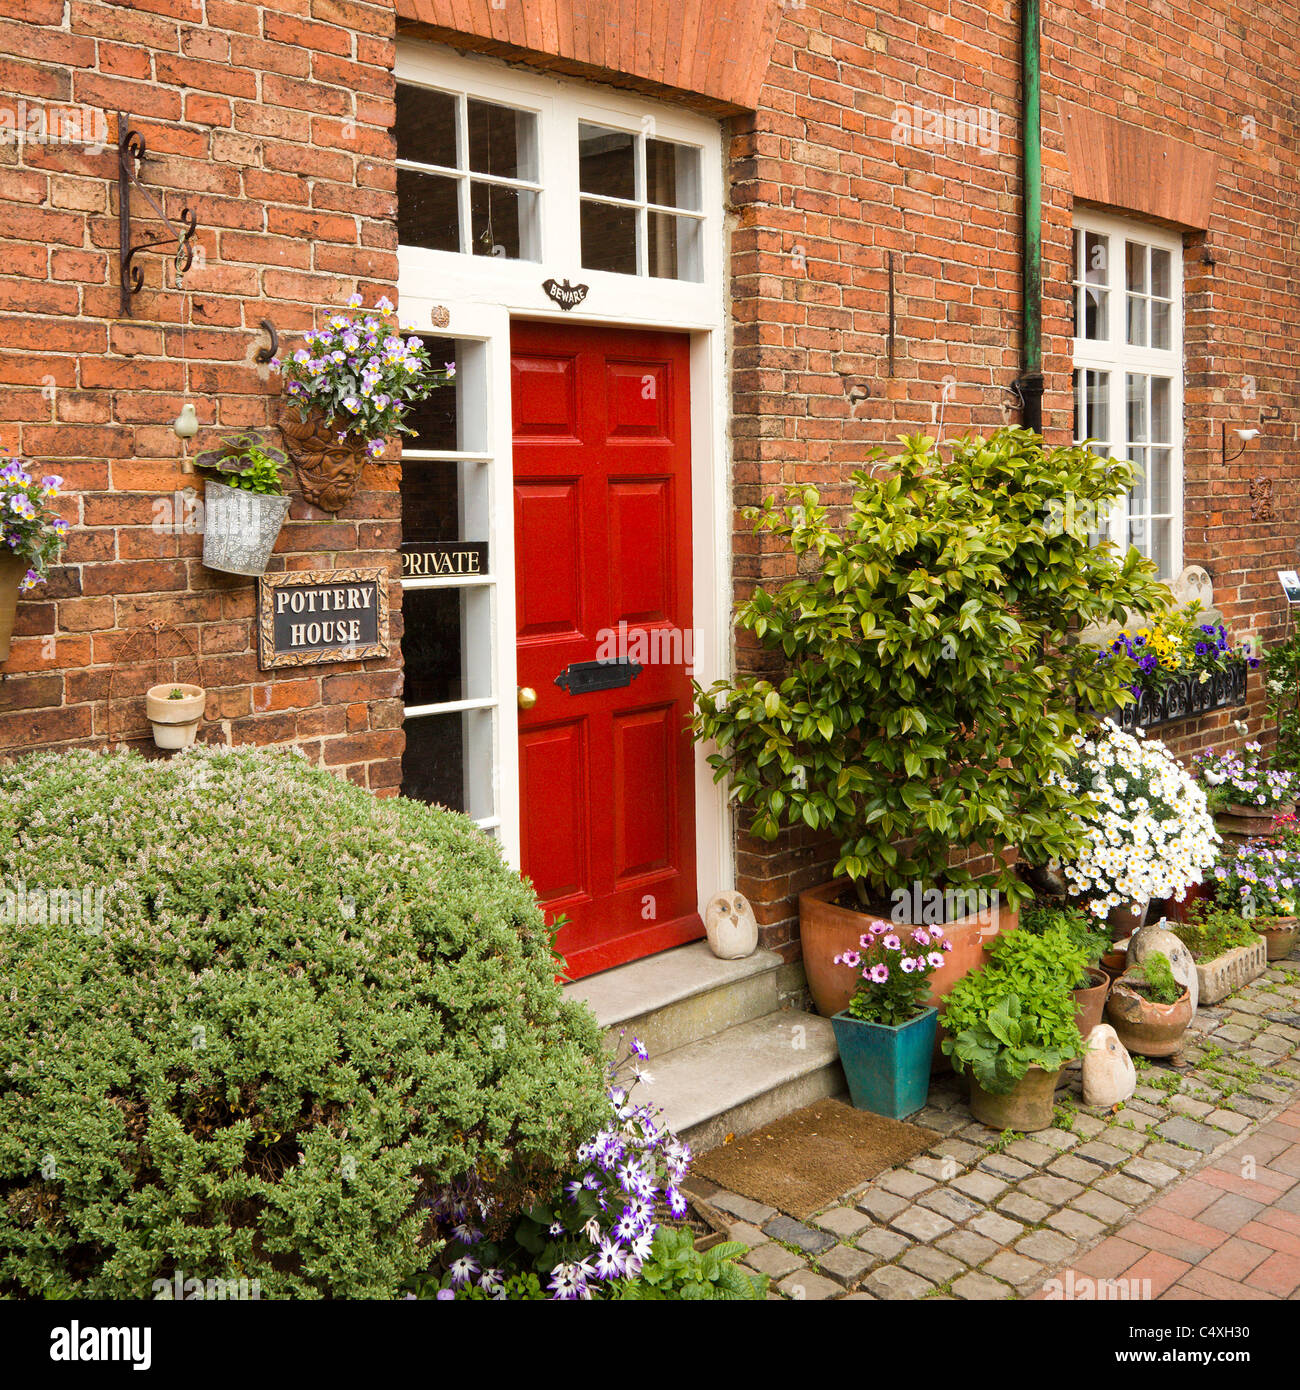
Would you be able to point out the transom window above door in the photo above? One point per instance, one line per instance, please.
(1128, 375)
(605, 185)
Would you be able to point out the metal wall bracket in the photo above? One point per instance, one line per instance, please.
(131, 153)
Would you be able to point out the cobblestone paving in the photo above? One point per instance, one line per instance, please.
(983, 1215)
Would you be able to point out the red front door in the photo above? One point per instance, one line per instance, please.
(602, 501)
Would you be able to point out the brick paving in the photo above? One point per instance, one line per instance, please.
(1193, 1185)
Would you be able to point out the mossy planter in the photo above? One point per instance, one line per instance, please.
(888, 1069)
(12, 570)
(1279, 935)
(1142, 1025)
(1027, 1106)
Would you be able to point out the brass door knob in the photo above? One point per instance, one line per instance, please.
(527, 697)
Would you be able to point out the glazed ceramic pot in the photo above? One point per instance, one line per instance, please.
(1142, 1025)
(888, 1069)
(12, 570)
(1279, 935)
(1026, 1106)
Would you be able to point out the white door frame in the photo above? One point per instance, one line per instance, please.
(480, 295)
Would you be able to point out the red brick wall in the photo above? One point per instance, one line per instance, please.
(823, 196)
(272, 124)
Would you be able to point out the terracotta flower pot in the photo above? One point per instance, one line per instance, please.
(175, 722)
(1127, 918)
(1279, 935)
(12, 570)
(1239, 822)
(1027, 1106)
(1142, 1025)
(1089, 1004)
(1177, 911)
(1114, 963)
(329, 468)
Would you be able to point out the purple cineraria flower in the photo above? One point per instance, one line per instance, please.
(907, 965)
(446, 1295)
(676, 1202)
(566, 1282)
(462, 1270)
(639, 1049)
(610, 1260)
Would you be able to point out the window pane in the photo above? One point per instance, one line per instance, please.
(609, 237)
(1135, 266)
(674, 247)
(426, 126)
(502, 141)
(1099, 406)
(427, 211)
(1139, 534)
(1162, 548)
(1095, 313)
(1138, 503)
(1137, 320)
(439, 662)
(1161, 282)
(1096, 260)
(434, 418)
(503, 221)
(1137, 409)
(1161, 318)
(1161, 414)
(606, 161)
(448, 761)
(1161, 486)
(672, 174)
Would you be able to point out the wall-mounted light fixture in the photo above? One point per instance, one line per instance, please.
(1245, 435)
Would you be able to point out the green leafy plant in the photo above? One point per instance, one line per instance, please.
(301, 1012)
(1041, 918)
(1213, 931)
(676, 1270)
(929, 678)
(176, 693)
(1018, 1011)
(1156, 980)
(248, 461)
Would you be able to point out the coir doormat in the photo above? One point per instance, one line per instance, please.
(806, 1160)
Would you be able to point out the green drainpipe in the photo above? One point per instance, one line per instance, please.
(1031, 78)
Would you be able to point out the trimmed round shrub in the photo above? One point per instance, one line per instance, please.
(252, 1020)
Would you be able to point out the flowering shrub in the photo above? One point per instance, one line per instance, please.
(895, 970)
(28, 526)
(1262, 879)
(1243, 779)
(1176, 645)
(361, 373)
(594, 1231)
(298, 1012)
(1151, 834)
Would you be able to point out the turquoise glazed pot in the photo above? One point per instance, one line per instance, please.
(888, 1069)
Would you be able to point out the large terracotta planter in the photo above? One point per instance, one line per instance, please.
(1177, 911)
(1027, 1106)
(329, 468)
(1279, 935)
(825, 930)
(1248, 822)
(12, 570)
(1142, 1025)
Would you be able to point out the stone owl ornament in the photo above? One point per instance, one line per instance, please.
(1109, 1076)
(1157, 937)
(730, 926)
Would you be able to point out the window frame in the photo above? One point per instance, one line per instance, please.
(1116, 357)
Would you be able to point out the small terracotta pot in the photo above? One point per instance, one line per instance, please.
(1181, 911)
(1142, 1025)
(1089, 1003)
(175, 722)
(1279, 935)
(1026, 1107)
(1237, 822)
(12, 570)
(1114, 963)
(1127, 918)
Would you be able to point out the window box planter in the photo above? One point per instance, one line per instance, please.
(1185, 697)
(888, 1069)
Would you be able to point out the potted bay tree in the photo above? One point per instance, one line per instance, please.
(927, 683)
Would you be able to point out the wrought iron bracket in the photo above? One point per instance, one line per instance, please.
(131, 154)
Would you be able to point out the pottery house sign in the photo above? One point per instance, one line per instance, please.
(309, 617)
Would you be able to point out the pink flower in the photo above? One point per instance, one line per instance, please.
(937, 933)
(850, 958)
(907, 964)
(879, 974)
(947, 945)
(936, 959)
(892, 943)
(920, 937)
(878, 928)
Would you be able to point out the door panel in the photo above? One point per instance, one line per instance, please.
(603, 569)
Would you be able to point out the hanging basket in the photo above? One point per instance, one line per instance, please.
(329, 469)
(240, 528)
(12, 570)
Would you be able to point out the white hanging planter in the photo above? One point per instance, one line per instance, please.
(175, 717)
